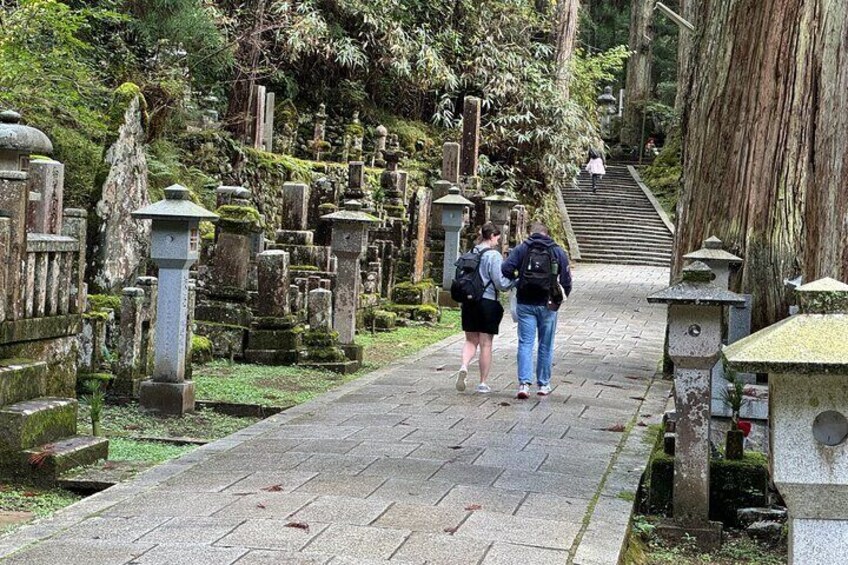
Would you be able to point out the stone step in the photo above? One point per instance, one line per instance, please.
(608, 259)
(618, 228)
(44, 464)
(648, 253)
(599, 214)
(26, 424)
(607, 237)
(624, 246)
(22, 379)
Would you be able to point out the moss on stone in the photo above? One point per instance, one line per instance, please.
(104, 302)
(414, 293)
(122, 97)
(240, 214)
(201, 344)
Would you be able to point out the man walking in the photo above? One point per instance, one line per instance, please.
(544, 281)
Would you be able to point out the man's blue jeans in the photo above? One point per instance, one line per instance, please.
(533, 322)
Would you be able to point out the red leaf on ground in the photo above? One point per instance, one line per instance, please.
(614, 428)
(260, 505)
(473, 507)
(450, 531)
(273, 488)
(298, 525)
(642, 424)
(505, 404)
(29, 494)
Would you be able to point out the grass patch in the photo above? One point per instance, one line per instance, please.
(383, 348)
(41, 502)
(128, 421)
(285, 386)
(125, 449)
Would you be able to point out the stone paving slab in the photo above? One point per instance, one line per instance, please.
(397, 467)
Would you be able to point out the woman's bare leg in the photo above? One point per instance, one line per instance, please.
(472, 340)
(485, 355)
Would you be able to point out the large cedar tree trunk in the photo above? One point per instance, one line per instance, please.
(637, 87)
(690, 10)
(765, 143)
(565, 32)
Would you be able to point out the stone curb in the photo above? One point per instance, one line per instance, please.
(604, 537)
(71, 515)
(573, 247)
(654, 202)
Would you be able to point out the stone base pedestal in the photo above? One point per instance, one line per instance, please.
(126, 386)
(707, 536)
(167, 398)
(817, 542)
(341, 367)
(274, 341)
(353, 352)
(445, 300)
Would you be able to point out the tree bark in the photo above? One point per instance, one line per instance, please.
(565, 33)
(764, 143)
(690, 10)
(242, 102)
(637, 87)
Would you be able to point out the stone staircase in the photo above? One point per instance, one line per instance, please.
(619, 223)
(38, 433)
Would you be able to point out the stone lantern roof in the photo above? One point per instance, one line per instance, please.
(696, 287)
(175, 206)
(712, 251)
(500, 197)
(453, 198)
(814, 341)
(351, 212)
(15, 136)
(607, 98)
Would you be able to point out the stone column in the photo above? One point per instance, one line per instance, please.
(47, 177)
(273, 268)
(694, 330)
(268, 127)
(423, 217)
(453, 220)
(75, 224)
(470, 141)
(380, 146)
(295, 206)
(4, 266)
(320, 307)
(192, 306)
(130, 365)
(259, 121)
(356, 180)
(14, 196)
(450, 162)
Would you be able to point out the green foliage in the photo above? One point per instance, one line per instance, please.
(104, 302)
(41, 502)
(123, 449)
(201, 344)
(664, 175)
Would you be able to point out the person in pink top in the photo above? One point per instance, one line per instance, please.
(596, 168)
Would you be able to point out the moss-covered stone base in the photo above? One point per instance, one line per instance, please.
(733, 485)
(228, 341)
(415, 293)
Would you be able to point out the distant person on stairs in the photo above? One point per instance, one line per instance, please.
(595, 167)
(543, 279)
(476, 287)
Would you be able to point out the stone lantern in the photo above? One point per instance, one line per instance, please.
(806, 357)
(174, 248)
(717, 259)
(18, 142)
(349, 241)
(606, 110)
(694, 342)
(499, 210)
(453, 220)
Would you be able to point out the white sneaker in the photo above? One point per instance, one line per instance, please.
(523, 391)
(460, 378)
(544, 390)
(483, 388)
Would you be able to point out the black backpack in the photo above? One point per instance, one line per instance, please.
(539, 271)
(467, 285)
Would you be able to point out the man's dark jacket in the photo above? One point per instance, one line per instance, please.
(513, 263)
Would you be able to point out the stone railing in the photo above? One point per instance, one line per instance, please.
(50, 280)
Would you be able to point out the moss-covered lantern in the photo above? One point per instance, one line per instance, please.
(453, 220)
(806, 358)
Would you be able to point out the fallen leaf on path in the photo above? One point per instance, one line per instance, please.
(454, 447)
(273, 488)
(298, 525)
(639, 398)
(473, 507)
(614, 428)
(450, 531)
(260, 505)
(505, 404)
(642, 424)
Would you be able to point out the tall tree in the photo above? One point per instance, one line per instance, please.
(690, 10)
(241, 102)
(764, 143)
(637, 88)
(565, 33)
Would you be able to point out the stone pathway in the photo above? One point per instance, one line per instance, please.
(398, 467)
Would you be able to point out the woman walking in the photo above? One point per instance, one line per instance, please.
(596, 168)
(481, 319)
